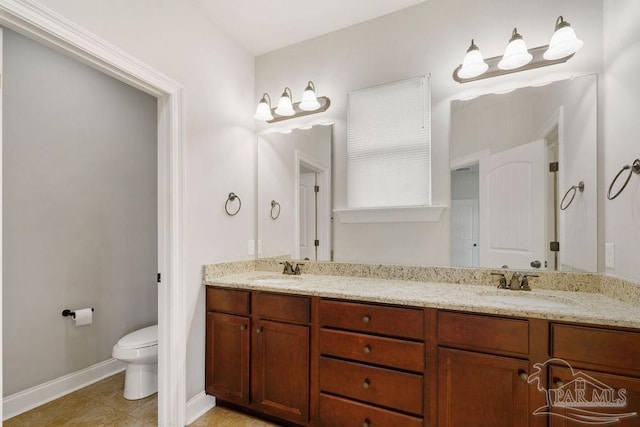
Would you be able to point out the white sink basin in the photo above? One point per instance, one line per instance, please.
(275, 280)
(524, 299)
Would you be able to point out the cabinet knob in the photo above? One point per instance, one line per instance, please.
(366, 349)
(366, 319)
(366, 423)
(558, 382)
(523, 376)
(243, 327)
(259, 330)
(366, 384)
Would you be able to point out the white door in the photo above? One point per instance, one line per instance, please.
(464, 233)
(512, 207)
(307, 215)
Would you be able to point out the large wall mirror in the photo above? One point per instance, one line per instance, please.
(294, 194)
(524, 178)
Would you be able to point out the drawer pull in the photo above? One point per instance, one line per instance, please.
(366, 384)
(243, 327)
(558, 382)
(366, 423)
(259, 330)
(366, 349)
(523, 376)
(366, 319)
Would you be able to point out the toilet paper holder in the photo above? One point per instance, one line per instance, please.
(66, 313)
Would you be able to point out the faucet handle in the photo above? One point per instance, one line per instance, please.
(288, 268)
(524, 284)
(503, 280)
(297, 270)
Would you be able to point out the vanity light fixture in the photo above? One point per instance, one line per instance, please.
(563, 45)
(286, 109)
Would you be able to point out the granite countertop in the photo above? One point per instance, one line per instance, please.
(583, 307)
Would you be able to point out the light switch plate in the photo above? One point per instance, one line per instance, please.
(610, 255)
(259, 247)
(252, 247)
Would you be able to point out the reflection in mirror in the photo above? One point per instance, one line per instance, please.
(294, 171)
(514, 157)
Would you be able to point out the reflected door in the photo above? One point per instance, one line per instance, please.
(308, 210)
(512, 207)
(464, 233)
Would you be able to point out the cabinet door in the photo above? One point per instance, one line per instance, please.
(592, 398)
(281, 381)
(227, 357)
(479, 390)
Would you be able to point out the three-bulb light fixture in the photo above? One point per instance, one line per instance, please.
(286, 109)
(563, 45)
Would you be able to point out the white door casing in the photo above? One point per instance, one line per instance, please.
(512, 207)
(464, 232)
(308, 215)
(39, 23)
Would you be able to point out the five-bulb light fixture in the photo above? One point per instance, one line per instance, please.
(286, 109)
(517, 57)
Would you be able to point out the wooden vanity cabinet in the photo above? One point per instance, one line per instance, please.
(372, 362)
(601, 360)
(258, 352)
(482, 371)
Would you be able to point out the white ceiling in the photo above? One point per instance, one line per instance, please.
(261, 26)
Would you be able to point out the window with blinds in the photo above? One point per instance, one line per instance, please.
(389, 145)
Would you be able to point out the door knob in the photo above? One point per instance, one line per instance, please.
(536, 264)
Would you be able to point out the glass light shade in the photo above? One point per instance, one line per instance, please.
(516, 54)
(309, 101)
(285, 107)
(473, 63)
(263, 112)
(563, 43)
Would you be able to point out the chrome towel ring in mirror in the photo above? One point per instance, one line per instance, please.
(275, 209)
(232, 198)
(573, 190)
(634, 168)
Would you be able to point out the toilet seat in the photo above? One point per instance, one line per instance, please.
(145, 337)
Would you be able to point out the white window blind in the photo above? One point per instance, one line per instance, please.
(389, 145)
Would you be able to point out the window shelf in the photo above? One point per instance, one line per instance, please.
(390, 214)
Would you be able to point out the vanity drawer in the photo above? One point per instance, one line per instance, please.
(228, 300)
(335, 411)
(283, 307)
(395, 353)
(493, 334)
(606, 347)
(376, 319)
(393, 389)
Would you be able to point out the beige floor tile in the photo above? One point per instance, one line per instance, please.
(223, 417)
(57, 411)
(147, 411)
(13, 422)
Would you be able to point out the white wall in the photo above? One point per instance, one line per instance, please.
(431, 37)
(79, 212)
(622, 131)
(174, 37)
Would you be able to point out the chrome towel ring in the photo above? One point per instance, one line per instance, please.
(634, 168)
(574, 189)
(232, 198)
(275, 209)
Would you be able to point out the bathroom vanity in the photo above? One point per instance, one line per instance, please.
(322, 350)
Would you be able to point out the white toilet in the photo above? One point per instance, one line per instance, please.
(139, 350)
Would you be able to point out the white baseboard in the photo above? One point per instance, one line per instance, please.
(39, 395)
(198, 405)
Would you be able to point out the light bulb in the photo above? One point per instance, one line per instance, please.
(263, 112)
(309, 101)
(285, 107)
(516, 54)
(473, 64)
(564, 41)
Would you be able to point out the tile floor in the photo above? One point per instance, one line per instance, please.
(102, 404)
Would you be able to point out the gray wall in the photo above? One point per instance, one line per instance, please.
(79, 208)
